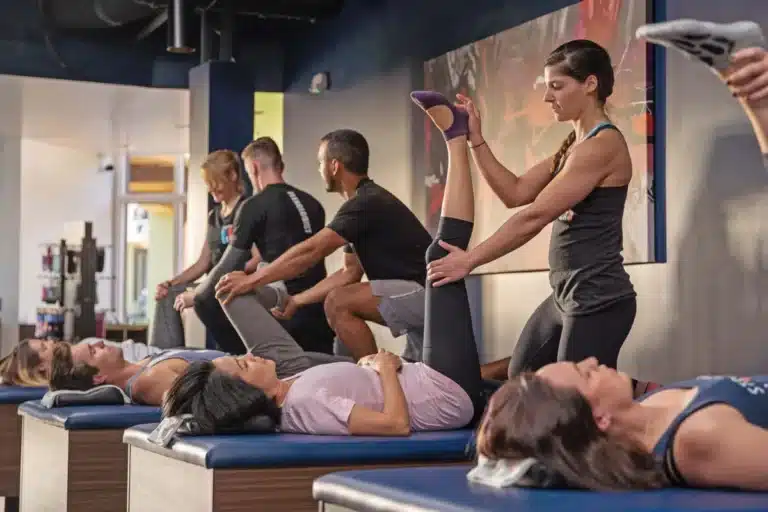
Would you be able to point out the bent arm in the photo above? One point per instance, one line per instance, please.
(299, 258)
(196, 270)
(351, 272)
(394, 420)
(587, 167)
(513, 190)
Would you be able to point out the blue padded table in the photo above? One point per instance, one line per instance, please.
(447, 489)
(267, 471)
(73, 458)
(10, 438)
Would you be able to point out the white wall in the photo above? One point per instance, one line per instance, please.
(702, 312)
(59, 186)
(10, 211)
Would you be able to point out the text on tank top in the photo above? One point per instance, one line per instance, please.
(586, 267)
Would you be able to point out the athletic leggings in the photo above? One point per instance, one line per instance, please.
(551, 336)
(449, 341)
(167, 328)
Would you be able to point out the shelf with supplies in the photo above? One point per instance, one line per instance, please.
(69, 294)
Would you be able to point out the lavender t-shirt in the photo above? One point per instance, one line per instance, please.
(321, 398)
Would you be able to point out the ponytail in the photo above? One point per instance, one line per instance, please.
(607, 463)
(567, 143)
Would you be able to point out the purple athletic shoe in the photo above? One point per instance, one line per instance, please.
(428, 99)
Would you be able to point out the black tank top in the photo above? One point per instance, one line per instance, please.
(586, 268)
(748, 395)
(220, 230)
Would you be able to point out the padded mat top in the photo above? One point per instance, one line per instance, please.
(447, 489)
(91, 416)
(271, 450)
(20, 394)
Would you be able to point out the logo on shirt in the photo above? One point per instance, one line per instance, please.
(226, 234)
(747, 383)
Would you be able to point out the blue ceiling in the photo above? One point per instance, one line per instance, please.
(124, 41)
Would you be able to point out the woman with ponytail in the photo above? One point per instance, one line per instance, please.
(581, 189)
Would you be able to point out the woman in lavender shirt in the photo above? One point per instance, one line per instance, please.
(381, 394)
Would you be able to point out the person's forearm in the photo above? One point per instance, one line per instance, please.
(513, 234)
(501, 180)
(317, 293)
(188, 275)
(289, 265)
(395, 405)
(757, 113)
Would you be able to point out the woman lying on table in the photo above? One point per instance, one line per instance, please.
(382, 394)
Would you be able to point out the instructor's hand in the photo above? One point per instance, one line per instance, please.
(749, 76)
(289, 309)
(448, 269)
(232, 285)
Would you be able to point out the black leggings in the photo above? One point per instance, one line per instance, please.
(551, 336)
(449, 341)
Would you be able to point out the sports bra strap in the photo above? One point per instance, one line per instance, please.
(600, 127)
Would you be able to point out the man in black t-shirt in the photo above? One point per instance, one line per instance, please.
(381, 238)
(278, 217)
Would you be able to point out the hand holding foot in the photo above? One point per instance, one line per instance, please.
(448, 269)
(451, 120)
(749, 80)
(464, 103)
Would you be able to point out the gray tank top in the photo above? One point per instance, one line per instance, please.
(586, 266)
(187, 355)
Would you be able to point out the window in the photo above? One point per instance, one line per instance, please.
(148, 231)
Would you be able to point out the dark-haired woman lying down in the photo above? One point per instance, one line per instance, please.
(381, 395)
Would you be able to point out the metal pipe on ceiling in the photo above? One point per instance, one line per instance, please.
(176, 28)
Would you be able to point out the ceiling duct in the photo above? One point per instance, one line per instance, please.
(177, 30)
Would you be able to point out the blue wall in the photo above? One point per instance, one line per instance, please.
(377, 36)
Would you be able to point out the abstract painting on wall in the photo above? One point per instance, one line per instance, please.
(503, 74)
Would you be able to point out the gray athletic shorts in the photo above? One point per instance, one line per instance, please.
(402, 308)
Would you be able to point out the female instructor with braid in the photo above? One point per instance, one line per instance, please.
(582, 190)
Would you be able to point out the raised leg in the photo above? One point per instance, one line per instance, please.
(263, 335)
(731, 51)
(449, 342)
(167, 328)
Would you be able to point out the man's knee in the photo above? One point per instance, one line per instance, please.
(334, 304)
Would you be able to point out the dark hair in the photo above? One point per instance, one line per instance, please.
(67, 375)
(220, 402)
(266, 151)
(22, 367)
(580, 59)
(528, 417)
(350, 148)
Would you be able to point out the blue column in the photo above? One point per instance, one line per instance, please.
(220, 117)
